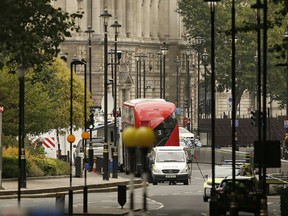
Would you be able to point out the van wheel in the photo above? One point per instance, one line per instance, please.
(186, 182)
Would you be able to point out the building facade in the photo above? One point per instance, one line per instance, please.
(146, 26)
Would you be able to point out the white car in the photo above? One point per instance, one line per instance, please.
(186, 137)
(97, 144)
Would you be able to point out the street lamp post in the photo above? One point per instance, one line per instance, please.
(212, 4)
(141, 57)
(177, 62)
(285, 44)
(85, 134)
(116, 27)
(198, 41)
(233, 203)
(188, 94)
(164, 50)
(105, 15)
(204, 59)
(89, 31)
(21, 134)
(71, 137)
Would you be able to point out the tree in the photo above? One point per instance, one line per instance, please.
(47, 99)
(31, 31)
(196, 18)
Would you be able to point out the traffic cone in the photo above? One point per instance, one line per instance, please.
(94, 166)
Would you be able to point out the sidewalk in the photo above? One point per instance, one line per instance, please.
(52, 186)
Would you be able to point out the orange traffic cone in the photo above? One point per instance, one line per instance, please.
(94, 166)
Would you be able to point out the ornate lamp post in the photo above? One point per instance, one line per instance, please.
(164, 50)
(204, 60)
(105, 15)
(89, 31)
(116, 27)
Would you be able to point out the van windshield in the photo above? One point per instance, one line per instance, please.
(170, 157)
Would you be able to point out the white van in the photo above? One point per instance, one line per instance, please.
(170, 163)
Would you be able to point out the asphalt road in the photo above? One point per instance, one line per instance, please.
(163, 199)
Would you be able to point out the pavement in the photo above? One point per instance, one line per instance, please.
(58, 187)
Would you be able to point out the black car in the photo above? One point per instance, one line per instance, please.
(246, 193)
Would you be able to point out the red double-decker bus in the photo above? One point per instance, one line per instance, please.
(157, 114)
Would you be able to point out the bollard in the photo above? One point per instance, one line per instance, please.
(60, 200)
(122, 195)
(78, 167)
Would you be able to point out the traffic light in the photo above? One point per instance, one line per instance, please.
(254, 118)
(186, 103)
(91, 119)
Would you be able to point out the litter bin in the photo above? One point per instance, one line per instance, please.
(78, 167)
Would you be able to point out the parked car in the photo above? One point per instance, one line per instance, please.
(186, 137)
(247, 195)
(97, 144)
(221, 172)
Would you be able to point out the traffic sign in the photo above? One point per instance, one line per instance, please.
(1, 109)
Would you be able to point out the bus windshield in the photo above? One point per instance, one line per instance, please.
(165, 129)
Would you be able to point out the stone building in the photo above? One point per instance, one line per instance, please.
(146, 25)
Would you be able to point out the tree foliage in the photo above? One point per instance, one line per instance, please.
(47, 99)
(31, 31)
(196, 17)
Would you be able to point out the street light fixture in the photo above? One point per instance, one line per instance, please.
(116, 27)
(164, 50)
(21, 134)
(204, 60)
(105, 15)
(89, 31)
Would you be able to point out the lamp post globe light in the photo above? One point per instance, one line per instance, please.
(116, 27)
(204, 60)
(21, 134)
(89, 31)
(105, 15)
(164, 50)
